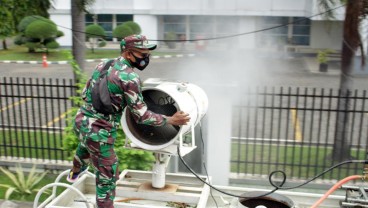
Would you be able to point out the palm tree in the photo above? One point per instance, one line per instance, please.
(78, 9)
(356, 10)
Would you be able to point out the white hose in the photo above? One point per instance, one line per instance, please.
(55, 185)
(35, 203)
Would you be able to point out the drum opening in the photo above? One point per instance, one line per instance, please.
(158, 102)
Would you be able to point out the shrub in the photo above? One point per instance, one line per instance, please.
(95, 31)
(95, 34)
(37, 32)
(23, 24)
(322, 55)
(122, 31)
(134, 26)
(21, 184)
(170, 36)
(52, 45)
(41, 30)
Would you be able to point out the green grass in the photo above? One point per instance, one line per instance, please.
(50, 178)
(17, 53)
(293, 160)
(31, 144)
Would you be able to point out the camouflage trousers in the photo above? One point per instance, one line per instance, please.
(103, 158)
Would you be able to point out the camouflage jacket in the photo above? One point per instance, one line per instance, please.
(125, 91)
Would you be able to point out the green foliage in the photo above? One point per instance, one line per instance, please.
(134, 26)
(170, 36)
(7, 28)
(19, 40)
(322, 55)
(122, 31)
(41, 29)
(59, 33)
(128, 158)
(102, 43)
(23, 24)
(95, 34)
(52, 45)
(32, 45)
(21, 184)
(38, 32)
(95, 31)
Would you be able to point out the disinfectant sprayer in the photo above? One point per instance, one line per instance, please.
(166, 97)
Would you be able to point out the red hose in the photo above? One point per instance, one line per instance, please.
(336, 186)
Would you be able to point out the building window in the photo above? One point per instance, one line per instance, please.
(201, 26)
(90, 19)
(296, 31)
(276, 35)
(121, 18)
(174, 24)
(301, 31)
(105, 21)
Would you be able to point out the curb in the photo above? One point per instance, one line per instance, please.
(90, 60)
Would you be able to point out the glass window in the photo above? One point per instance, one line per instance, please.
(89, 17)
(300, 40)
(104, 17)
(301, 30)
(297, 32)
(175, 24)
(107, 26)
(174, 19)
(123, 18)
(301, 21)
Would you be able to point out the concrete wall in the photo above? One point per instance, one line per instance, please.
(64, 20)
(61, 16)
(206, 7)
(148, 25)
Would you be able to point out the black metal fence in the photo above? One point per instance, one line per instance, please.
(293, 130)
(33, 114)
(289, 129)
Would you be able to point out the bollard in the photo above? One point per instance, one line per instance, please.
(44, 61)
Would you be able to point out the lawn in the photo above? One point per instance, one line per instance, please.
(32, 144)
(21, 53)
(304, 161)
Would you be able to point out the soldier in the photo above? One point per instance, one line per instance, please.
(97, 130)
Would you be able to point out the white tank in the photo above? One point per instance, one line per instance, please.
(166, 97)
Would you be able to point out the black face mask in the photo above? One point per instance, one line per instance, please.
(141, 63)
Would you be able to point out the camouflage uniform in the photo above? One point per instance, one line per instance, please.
(97, 132)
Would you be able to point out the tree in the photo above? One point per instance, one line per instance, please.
(122, 31)
(356, 10)
(79, 8)
(37, 32)
(134, 26)
(95, 34)
(7, 28)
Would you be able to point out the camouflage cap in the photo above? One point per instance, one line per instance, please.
(136, 41)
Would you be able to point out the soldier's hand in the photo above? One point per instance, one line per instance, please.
(179, 118)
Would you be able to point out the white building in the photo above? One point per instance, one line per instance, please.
(294, 22)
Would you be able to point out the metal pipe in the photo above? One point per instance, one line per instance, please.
(35, 203)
